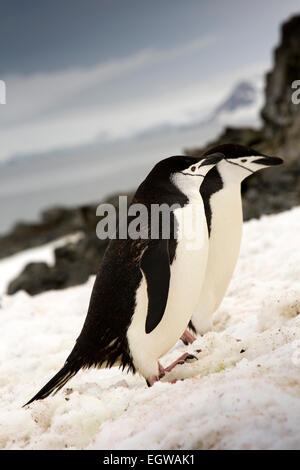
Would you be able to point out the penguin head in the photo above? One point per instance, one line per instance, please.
(200, 167)
(189, 179)
(239, 161)
(186, 165)
(180, 172)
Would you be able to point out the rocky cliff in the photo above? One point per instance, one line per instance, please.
(272, 191)
(74, 262)
(280, 115)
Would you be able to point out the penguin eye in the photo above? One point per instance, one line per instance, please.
(244, 160)
(193, 168)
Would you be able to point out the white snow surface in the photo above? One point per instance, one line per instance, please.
(242, 393)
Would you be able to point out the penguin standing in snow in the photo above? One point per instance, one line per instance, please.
(221, 193)
(144, 296)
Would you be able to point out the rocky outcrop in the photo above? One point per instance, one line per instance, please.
(55, 223)
(280, 115)
(74, 262)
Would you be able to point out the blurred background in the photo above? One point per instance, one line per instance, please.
(98, 91)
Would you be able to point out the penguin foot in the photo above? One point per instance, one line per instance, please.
(186, 357)
(187, 337)
(174, 381)
(152, 380)
(156, 378)
(161, 371)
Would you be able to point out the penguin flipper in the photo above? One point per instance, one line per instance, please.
(155, 265)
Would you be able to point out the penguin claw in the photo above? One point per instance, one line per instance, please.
(191, 358)
(181, 360)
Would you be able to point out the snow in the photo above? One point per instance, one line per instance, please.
(242, 393)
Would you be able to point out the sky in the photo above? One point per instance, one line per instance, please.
(79, 72)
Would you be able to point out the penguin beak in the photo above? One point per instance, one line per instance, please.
(212, 159)
(268, 161)
(209, 162)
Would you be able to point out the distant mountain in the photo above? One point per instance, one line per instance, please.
(242, 105)
(244, 94)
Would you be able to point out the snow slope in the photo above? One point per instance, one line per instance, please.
(243, 392)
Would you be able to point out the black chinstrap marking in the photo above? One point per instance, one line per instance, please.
(241, 166)
(190, 174)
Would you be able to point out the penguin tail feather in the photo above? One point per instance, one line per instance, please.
(56, 383)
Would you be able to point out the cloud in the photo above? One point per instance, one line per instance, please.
(28, 96)
(43, 112)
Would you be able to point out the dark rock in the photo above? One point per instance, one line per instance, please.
(74, 262)
(281, 116)
(55, 223)
(30, 279)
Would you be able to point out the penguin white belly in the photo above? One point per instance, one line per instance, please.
(187, 271)
(224, 247)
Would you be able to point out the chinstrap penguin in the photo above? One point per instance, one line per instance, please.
(221, 193)
(143, 297)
